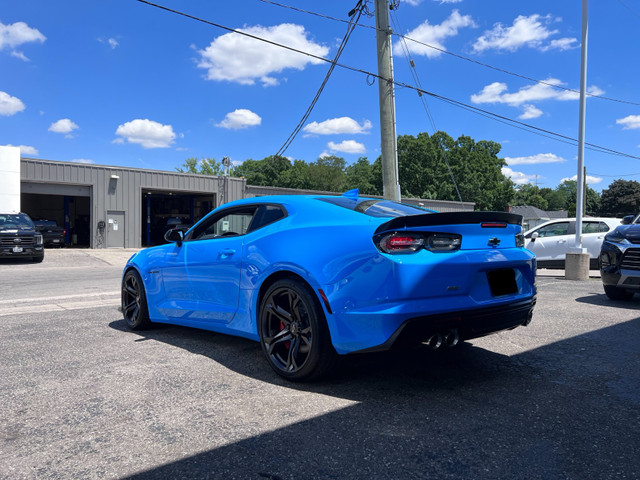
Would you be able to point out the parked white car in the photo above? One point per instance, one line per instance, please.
(552, 240)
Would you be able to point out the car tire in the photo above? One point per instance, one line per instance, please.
(294, 333)
(134, 301)
(616, 293)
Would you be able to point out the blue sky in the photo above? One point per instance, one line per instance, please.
(122, 83)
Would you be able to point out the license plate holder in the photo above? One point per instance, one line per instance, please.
(502, 282)
(18, 249)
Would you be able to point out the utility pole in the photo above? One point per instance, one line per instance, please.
(388, 138)
(577, 258)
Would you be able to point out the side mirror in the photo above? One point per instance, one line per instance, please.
(534, 235)
(626, 220)
(175, 235)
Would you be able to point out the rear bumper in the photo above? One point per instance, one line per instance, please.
(469, 323)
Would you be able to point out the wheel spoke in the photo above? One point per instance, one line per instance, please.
(280, 313)
(279, 339)
(292, 364)
(129, 306)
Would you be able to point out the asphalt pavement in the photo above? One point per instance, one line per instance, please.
(81, 396)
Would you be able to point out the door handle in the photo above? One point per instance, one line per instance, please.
(227, 252)
(562, 241)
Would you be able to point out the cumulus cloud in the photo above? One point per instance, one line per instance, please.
(530, 111)
(590, 180)
(337, 126)
(16, 34)
(497, 93)
(629, 123)
(10, 105)
(64, 125)
(240, 118)
(240, 59)
(535, 159)
(435, 35)
(147, 133)
(518, 178)
(25, 149)
(347, 146)
(532, 31)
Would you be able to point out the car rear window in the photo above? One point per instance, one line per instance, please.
(377, 207)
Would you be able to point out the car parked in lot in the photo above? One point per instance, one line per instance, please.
(620, 262)
(310, 277)
(19, 238)
(52, 234)
(552, 240)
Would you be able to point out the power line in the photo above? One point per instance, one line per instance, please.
(355, 16)
(462, 57)
(495, 116)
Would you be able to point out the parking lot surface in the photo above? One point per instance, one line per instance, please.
(83, 397)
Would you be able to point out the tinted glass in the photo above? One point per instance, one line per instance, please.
(225, 224)
(266, 215)
(15, 222)
(554, 229)
(594, 227)
(377, 208)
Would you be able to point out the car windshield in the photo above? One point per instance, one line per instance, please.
(17, 221)
(377, 207)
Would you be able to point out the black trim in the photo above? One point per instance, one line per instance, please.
(451, 218)
(469, 323)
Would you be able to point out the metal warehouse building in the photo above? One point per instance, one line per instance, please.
(117, 207)
(102, 206)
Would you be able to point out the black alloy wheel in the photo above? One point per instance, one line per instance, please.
(134, 301)
(293, 332)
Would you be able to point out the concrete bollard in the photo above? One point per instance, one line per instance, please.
(576, 266)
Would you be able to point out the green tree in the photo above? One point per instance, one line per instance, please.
(568, 190)
(205, 166)
(360, 175)
(528, 194)
(328, 174)
(621, 198)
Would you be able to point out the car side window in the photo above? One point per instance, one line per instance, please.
(554, 230)
(594, 227)
(266, 215)
(229, 223)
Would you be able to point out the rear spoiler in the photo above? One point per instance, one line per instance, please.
(451, 218)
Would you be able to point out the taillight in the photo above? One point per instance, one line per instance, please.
(409, 242)
(519, 240)
(401, 243)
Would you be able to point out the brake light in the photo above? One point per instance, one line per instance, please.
(401, 243)
(405, 242)
(494, 225)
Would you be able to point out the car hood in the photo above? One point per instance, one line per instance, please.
(630, 232)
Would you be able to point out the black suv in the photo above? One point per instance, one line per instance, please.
(620, 262)
(19, 238)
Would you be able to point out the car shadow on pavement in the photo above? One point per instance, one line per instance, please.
(602, 300)
(563, 410)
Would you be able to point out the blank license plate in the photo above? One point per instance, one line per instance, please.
(502, 282)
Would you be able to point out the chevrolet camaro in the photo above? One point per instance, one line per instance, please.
(315, 277)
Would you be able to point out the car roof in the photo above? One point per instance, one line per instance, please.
(611, 221)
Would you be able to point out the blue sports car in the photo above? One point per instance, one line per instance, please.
(314, 277)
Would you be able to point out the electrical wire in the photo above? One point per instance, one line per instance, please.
(355, 16)
(416, 79)
(486, 113)
(462, 57)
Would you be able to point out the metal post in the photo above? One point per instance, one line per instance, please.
(581, 128)
(389, 149)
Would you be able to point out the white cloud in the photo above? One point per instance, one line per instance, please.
(147, 133)
(629, 123)
(25, 149)
(347, 146)
(532, 31)
(535, 159)
(16, 34)
(240, 118)
(112, 42)
(10, 105)
(237, 58)
(530, 111)
(434, 35)
(518, 178)
(337, 126)
(497, 93)
(82, 160)
(590, 180)
(63, 125)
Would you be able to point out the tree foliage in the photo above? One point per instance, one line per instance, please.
(621, 198)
